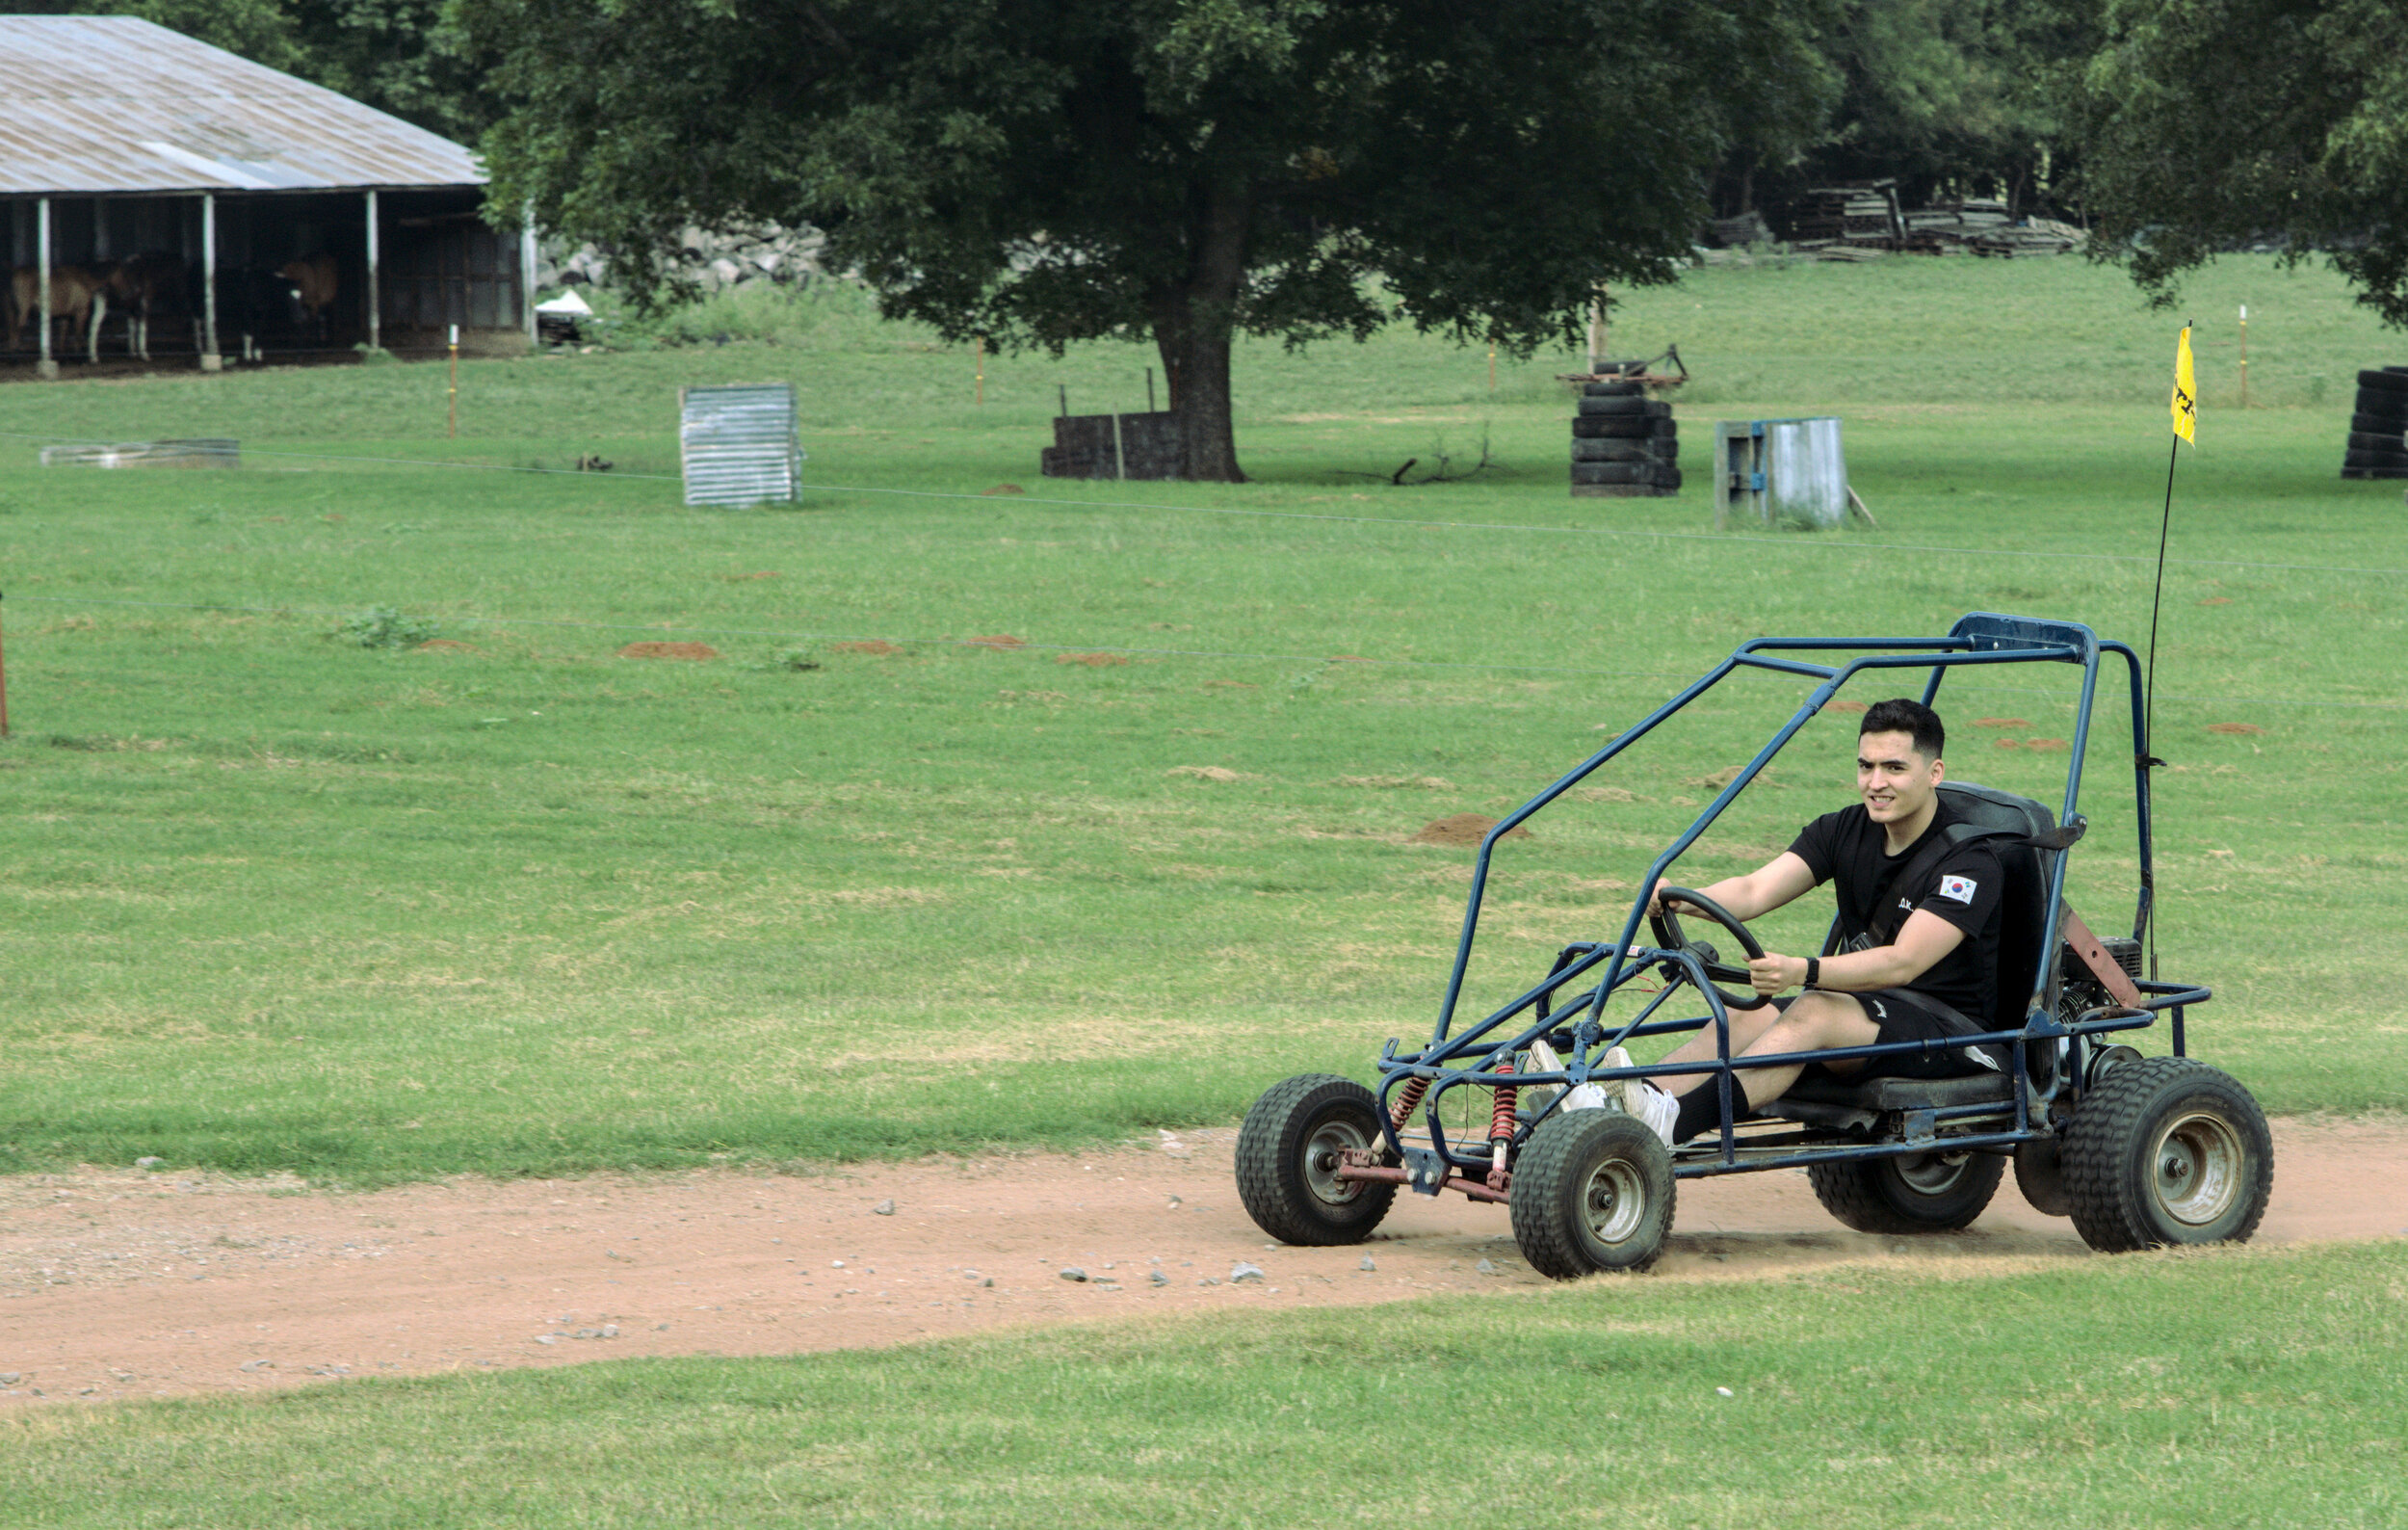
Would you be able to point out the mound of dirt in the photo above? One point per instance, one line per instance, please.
(1731, 773)
(668, 651)
(1093, 661)
(1463, 829)
(2218, 601)
(2001, 721)
(1002, 641)
(1208, 773)
(2235, 727)
(1390, 783)
(747, 578)
(1848, 707)
(1004, 488)
(867, 646)
(445, 645)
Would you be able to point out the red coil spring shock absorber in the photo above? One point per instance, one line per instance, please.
(1500, 1127)
(1407, 1099)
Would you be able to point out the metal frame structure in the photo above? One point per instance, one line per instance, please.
(1481, 1055)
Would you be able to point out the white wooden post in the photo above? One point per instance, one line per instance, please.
(375, 307)
(48, 365)
(212, 359)
(527, 274)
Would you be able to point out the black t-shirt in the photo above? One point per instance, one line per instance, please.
(1963, 888)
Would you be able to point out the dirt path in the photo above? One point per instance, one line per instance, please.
(121, 1284)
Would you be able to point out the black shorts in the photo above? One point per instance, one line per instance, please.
(1900, 1017)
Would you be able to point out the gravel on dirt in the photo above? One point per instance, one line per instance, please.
(127, 1282)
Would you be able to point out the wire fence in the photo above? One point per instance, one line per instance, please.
(1852, 542)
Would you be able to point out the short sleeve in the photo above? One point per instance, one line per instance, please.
(1818, 844)
(1966, 888)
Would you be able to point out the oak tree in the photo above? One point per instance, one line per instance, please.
(1044, 171)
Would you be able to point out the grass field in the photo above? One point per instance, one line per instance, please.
(282, 902)
(2229, 1389)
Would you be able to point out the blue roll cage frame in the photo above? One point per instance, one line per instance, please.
(1454, 1060)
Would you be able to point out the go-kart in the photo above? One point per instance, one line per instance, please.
(2138, 1151)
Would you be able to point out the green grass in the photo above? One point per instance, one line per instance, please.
(2233, 1388)
(280, 903)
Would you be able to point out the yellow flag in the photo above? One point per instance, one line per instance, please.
(2185, 392)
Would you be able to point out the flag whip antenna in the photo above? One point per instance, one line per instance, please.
(2185, 407)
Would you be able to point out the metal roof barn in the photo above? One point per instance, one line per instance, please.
(154, 176)
(99, 104)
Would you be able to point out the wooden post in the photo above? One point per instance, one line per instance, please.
(527, 276)
(376, 306)
(1119, 469)
(1492, 366)
(453, 397)
(48, 365)
(2244, 356)
(1596, 331)
(212, 359)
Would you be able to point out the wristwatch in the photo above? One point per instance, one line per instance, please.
(1814, 974)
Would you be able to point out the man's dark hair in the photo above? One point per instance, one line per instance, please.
(1902, 716)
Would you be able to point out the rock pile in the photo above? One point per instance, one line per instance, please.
(712, 260)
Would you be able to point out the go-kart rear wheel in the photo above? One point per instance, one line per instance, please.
(2167, 1150)
(1933, 1192)
(1288, 1157)
(1592, 1191)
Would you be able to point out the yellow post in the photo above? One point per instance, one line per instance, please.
(2244, 356)
(452, 398)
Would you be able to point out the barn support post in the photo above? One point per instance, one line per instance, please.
(375, 305)
(527, 274)
(212, 359)
(48, 365)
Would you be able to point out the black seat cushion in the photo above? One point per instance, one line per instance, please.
(1903, 1094)
(2024, 901)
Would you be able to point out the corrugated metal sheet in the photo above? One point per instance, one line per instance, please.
(100, 104)
(738, 443)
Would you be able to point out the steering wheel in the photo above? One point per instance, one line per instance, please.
(1667, 926)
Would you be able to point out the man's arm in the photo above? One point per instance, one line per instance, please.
(1922, 941)
(1767, 888)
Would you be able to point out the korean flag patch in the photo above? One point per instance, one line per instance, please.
(1960, 888)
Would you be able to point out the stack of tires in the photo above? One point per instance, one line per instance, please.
(1625, 444)
(2378, 431)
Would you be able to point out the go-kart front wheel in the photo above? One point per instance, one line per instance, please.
(1592, 1190)
(1288, 1157)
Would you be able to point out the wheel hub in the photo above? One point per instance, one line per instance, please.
(2198, 1162)
(1325, 1150)
(1615, 1201)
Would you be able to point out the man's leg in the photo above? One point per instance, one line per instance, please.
(1813, 1021)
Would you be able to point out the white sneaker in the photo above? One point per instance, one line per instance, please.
(1540, 1059)
(1638, 1097)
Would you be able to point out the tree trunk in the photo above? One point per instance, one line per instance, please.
(1193, 324)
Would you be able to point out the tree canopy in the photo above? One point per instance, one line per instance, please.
(2211, 122)
(1043, 171)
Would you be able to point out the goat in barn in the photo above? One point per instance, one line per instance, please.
(79, 298)
(148, 286)
(313, 287)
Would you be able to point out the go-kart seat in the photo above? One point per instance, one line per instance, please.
(2022, 919)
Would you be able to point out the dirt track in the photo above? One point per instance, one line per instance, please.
(121, 1284)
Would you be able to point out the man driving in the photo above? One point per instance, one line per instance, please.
(1918, 956)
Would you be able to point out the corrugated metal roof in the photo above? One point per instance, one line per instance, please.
(98, 104)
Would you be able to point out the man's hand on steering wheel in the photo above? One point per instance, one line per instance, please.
(1772, 972)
